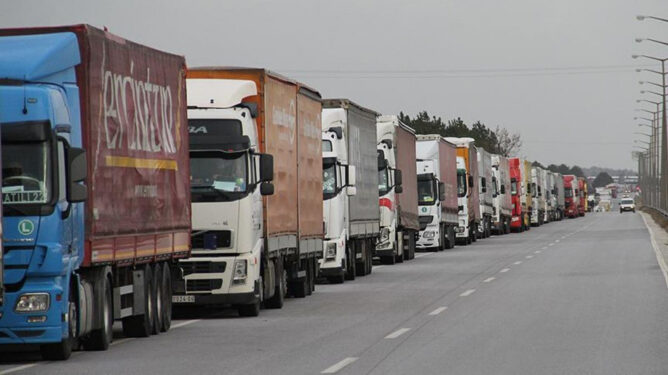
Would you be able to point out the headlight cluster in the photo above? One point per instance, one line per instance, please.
(428, 234)
(330, 252)
(240, 271)
(32, 302)
(385, 235)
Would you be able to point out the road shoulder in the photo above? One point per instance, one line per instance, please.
(659, 239)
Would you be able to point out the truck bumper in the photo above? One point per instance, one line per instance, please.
(429, 238)
(385, 252)
(333, 271)
(15, 327)
(516, 222)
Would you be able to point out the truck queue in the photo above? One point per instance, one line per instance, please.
(132, 184)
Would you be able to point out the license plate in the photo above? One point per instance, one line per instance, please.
(183, 299)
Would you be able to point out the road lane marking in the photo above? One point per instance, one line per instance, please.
(544, 248)
(489, 279)
(537, 252)
(529, 256)
(552, 244)
(518, 263)
(187, 322)
(18, 368)
(397, 333)
(556, 241)
(467, 293)
(505, 270)
(333, 369)
(659, 257)
(116, 342)
(439, 310)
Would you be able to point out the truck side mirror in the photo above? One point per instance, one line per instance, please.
(266, 188)
(503, 189)
(470, 181)
(483, 184)
(398, 189)
(397, 178)
(441, 191)
(77, 172)
(266, 168)
(351, 191)
(351, 175)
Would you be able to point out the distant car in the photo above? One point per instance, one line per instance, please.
(627, 204)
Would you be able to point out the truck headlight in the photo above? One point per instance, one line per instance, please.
(32, 302)
(428, 234)
(330, 252)
(240, 271)
(385, 235)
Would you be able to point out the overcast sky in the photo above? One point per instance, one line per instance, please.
(557, 71)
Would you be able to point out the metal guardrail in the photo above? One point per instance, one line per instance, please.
(664, 213)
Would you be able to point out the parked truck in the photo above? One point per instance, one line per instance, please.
(571, 196)
(437, 192)
(256, 174)
(582, 195)
(517, 188)
(539, 204)
(558, 195)
(350, 189)
(486, 195)
(95, 186)
(469, 198)
(399, 204)
(547, 195)
(503, 204)
(528, 193)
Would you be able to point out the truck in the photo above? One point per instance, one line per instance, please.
(538, 197)
(485, 192)
(582, 195)
(547, 195)
(95, 186)
(256, 174)
(558, 194)
(503, 204)
(437, 192)
(350, 190)
(528, 193)
(520, 212)
(398, 197)
(468, 196)
(571, 196)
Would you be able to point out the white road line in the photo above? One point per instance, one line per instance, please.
(489, 279)
(439, 310)
(18, 368)
(187, 322)
(556, 241)
(116, 342)
(397, 333)
(529, 256)
(552, 244)
(659, 257)
(505, 270)
(518, 263)
(544, 248)
(537, 252)
(467, 293)
(333, 369)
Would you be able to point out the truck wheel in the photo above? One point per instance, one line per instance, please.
(474, 233)
(156, 293)
(411, 246)
(338, 279)
(62, 350)
(276, 301)
(350, 262)
(298, 289)
(388, 259)
(166, 286)
(310, 278)
(142, 325)
(100, 339)
(370, 246)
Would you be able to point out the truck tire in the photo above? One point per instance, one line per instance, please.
(156, 294)
(338, 279)
(298, 288)
(390, 260)
(166, 286)
(99, 339)
(310, 278)
(350, 271)
(361, 267)
(371, 245)
(276, 301)
(61, 351)
(141, 325)
(473, 233)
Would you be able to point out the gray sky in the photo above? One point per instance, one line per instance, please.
(559, 72)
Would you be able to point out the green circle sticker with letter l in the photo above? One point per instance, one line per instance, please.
(26, 227)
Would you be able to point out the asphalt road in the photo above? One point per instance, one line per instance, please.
(582, 296)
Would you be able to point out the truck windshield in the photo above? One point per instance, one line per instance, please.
(426, 192)
(328, 178)
(26, 175)
(461, 183)
(513, 187)
(216, 176)
(383, 182)
(568, 193)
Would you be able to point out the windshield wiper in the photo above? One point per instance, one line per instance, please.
(209, 189)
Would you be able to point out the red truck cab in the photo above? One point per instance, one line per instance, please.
(582, 195)
(516, 221)
(571, 192)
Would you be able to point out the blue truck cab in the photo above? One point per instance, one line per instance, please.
(43, 219)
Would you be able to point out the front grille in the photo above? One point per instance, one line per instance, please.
(202, 267)
(217, 238)
(203, 285)
(30, 333)
(424, 221)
